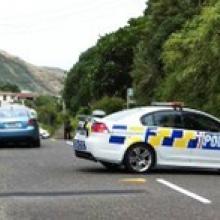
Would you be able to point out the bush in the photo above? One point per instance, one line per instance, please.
(49, 112)
(84, 111)
(109, 104)
(74, 124)
(8, 87)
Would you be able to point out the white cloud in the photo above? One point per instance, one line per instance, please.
(55, 32)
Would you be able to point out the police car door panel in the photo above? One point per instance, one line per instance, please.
(206, 152)
(170, 139)
(208, 149)
(171, 145)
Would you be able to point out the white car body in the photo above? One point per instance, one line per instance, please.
(172, 146)
(44, 134)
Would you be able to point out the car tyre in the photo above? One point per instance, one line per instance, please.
(139, 159)
(110, 166)
(36, 143)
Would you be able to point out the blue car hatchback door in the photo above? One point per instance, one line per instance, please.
(17, 126)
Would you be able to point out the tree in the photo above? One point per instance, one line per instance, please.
(168, 53)
(103, 70)
(109, 104)
(49, 112)
(191, 58)
(163, 17)
(8, 87)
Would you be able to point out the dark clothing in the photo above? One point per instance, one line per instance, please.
(67, 130)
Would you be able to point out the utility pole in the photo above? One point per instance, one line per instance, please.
(130, 97)
(64, 107)
(62, 99)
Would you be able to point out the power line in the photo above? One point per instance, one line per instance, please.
(26, 28)
(65, 11)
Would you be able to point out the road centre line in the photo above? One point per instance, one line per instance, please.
(184, 191)
(133, 180)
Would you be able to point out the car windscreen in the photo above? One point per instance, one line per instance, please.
(13, 113)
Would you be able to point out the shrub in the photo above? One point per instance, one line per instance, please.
(109, 104)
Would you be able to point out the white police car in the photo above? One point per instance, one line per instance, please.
(164, 134)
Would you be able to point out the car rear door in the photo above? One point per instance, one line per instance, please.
(207, 151)
(168, 137)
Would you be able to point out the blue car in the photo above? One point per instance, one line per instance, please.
(18, 126)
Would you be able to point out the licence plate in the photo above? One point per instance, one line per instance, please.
(13, 125)
(79, 145)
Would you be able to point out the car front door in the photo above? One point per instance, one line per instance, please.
(206, 152)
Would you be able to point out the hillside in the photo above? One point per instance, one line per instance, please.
(43, 80)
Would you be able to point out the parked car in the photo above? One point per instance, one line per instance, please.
(44, 134)
(85, 121)
(164, 134)
(17, 125)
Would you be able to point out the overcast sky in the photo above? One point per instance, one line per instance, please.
(55, 32)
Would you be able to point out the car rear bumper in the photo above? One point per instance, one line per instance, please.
(84, 155)
(23, 136)
(16, 140)
(98, 148)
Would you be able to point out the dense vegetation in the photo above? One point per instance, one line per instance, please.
(103, 70)
(192, 62)
(49, 110)
(8, 87)
(172, 52)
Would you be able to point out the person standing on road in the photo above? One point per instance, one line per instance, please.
(67, 130)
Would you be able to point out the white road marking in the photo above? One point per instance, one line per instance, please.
(184, 191)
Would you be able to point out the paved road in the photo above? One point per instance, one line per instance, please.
(49, 183)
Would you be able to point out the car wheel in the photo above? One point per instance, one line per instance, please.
(139, 159)
(36, 143)
(110, 166)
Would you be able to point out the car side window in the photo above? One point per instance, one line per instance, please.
(195, 121)
(172, 119)
(147, 120)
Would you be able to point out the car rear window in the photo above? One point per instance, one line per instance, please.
(14, 113)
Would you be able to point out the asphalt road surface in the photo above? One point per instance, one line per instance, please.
(50, 183)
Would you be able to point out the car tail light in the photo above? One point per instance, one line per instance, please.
(98, 127)
(31, 122)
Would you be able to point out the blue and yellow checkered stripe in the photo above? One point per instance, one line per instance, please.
(167, 137)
